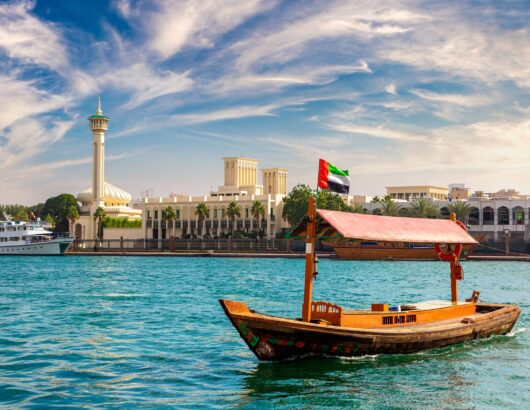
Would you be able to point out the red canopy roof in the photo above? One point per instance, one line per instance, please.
(395, 229)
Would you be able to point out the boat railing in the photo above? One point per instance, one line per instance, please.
(329, 312)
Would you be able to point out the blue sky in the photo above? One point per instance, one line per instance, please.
(398, 92)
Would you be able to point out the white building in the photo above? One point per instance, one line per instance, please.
(505, 212)
(241, 186)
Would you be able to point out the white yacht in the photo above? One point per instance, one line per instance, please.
(31, 238)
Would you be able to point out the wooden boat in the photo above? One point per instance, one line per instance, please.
(399, 251)
(329, 329)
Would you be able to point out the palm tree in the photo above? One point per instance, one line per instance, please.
(389, 207)
(169, 215)
(202, 212)
(258, 212)
(423, 208)
(72, 214)
(99, 217)
(461, 210)
(232, 211)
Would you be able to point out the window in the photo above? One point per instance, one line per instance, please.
(215, 213)
(246, 212)
(148, 214)
(488, 215)
(156, 214)
(177, 213)
(387, 320)
(504, 216)
(222, 213)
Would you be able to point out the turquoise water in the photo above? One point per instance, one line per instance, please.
(111, 332)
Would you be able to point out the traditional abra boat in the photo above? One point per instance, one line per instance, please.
(329, 329)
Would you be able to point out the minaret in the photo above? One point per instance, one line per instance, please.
(98, 125)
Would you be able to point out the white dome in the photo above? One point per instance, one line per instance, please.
(111, 195)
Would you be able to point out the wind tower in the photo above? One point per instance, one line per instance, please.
(98, 125)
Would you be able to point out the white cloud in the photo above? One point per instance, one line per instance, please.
(287, 40)
(453, 44)
(20, 99)
(176, 24)
(27, 138)
(391, 88)
(274, 81)
(376, 132)
(146, 83)
(25, 37)
(462, 100)
(225, 114)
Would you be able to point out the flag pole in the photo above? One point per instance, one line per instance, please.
(310, 257)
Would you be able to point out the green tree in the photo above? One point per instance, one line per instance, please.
(376, 200)
(295, 203)
(233, 210)
(423, 208)
(257, 211)
(169, 215)
(3, 216)
(389, 207)
(100, 216)
(202, 212)
(50, 220)
(57, 207)
(21, 215)
(461, 209)
(72, 214)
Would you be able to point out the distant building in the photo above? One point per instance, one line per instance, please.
(458, 192)
(410, 193)
(500, 213)
(241, 186)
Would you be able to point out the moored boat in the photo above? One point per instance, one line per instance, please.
(328, 329)
(399, 251)
(31, 238)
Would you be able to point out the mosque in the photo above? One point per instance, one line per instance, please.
(115, 201)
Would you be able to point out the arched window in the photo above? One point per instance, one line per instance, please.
(474, 216)
(503, 215)
(518, 215)
(488, 216)
(444, 213)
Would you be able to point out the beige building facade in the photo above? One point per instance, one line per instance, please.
(410, 193)
(240, 186)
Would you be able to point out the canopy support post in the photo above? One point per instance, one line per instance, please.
(454, 283)
(309, 260)
(454, 267)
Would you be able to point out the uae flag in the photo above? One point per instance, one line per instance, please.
(332, 178)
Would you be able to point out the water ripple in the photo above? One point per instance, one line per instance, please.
(149, 333)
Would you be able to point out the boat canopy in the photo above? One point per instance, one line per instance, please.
(349, 225)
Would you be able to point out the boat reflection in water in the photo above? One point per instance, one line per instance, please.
(327, 329)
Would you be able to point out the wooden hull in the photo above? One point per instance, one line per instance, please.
(276, 338)
(387, 253)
